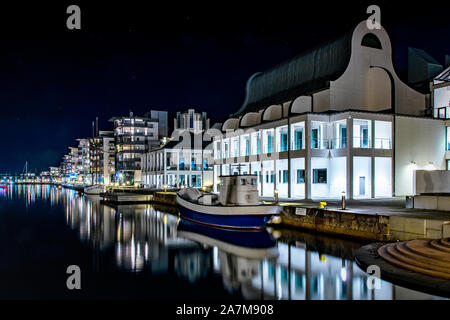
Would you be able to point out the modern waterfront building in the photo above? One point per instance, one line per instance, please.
(83, 162)
(102, 158)
(440, 88)
(186, 160)
(55, 174)
(192, 121)
(133, 136)
(336, 119)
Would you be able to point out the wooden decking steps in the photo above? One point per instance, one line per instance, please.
(429, 257)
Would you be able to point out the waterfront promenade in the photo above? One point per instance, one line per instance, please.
(371, 219)
(368, 219)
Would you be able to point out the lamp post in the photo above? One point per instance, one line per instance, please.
(343, 201)
(276, 195)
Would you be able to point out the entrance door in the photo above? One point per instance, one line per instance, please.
(362, 186)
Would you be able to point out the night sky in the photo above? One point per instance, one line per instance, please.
(131, 56)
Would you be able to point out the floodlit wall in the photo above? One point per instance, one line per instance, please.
(282, 178)
(442, 97)
(297, 186)
(319, 189)
(383, 177)
(268, 178)
(366, 83)
(338, 176)
(419, 145)
(437, 181)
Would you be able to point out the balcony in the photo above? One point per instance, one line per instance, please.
(319, 144)
(298, 144)
(338, 143)
(361, 142)
(442, 112)
(382, 143)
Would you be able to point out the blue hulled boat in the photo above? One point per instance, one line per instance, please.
(236, 206)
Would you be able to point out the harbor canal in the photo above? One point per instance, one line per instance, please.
(148, 252)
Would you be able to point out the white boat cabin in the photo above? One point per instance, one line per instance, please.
(238, 190)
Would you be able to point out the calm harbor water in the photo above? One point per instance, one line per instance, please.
(147, 252)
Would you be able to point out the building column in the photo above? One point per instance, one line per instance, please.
(350, 158)
(164, 180)
(372, 161)
(289, 161)
(308, 158)
(261, 177)
(275, 176)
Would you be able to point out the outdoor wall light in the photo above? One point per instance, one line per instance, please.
(343, 201)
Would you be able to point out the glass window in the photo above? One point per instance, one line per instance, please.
(245, 145)
(235, 146)
(297, 135)
(181, 163)
(298, 139)
(225, 148)
(315, 138)
(282, 139)
(319, 175)
(317, 135)
(383, 133)
(361, 133)
(448, 138)
(285, 176)
(268, 140)
(300, 176)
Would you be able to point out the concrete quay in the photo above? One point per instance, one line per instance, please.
(379, 220)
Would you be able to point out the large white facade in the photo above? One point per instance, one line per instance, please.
(185, 161)
(358, 131)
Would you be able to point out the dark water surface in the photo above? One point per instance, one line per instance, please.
(147, 252)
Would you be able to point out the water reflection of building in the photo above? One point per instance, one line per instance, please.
(141, 236)
(147, 240)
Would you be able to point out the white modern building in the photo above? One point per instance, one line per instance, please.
(334, 119)
(186, 160)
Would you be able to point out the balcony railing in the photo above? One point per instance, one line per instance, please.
(361, 142)
(442, 112)
(298, 144)
(319, 144)
(382, 143)
(338, 143)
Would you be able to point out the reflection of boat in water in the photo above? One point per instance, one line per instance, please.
(237, 206)
(251, 244)
(239, 253)
(94, 190)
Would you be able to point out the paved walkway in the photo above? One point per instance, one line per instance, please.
(384, 207)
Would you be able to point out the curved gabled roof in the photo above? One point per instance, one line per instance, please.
(303, 74)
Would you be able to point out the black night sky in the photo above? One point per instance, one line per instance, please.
(140, 56)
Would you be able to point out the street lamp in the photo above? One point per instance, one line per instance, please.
(343, 201)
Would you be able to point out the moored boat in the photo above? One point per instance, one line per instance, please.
(94, 190)
(237, 205)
